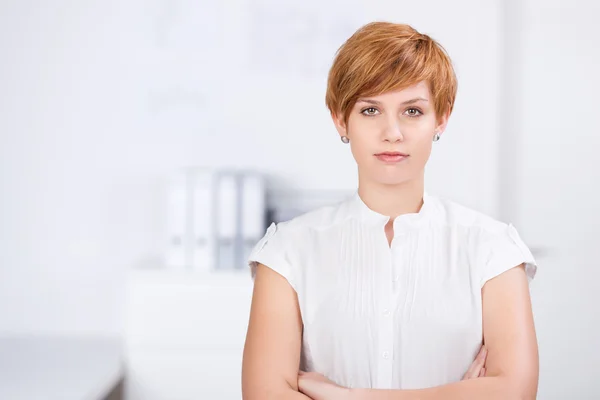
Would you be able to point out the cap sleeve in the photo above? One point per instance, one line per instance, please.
(273, 252)
(505, 250)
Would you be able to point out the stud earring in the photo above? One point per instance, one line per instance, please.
(436, 137)
(345, 139)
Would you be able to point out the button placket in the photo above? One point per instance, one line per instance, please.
(386, 326)
(396, 250)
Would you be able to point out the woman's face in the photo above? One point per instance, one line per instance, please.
(391, 134)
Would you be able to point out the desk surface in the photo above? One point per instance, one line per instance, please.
(59, 367)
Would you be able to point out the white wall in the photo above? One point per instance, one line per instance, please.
(558, 188)
(102, 99)
(70, 181)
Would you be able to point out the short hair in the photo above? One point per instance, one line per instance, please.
(381, 57)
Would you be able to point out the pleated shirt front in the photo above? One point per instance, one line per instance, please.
(401, 316)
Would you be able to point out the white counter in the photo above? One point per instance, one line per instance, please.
(59, 367)
(185, 334)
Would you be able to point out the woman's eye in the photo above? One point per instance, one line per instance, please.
(413, 112)
(369, 111)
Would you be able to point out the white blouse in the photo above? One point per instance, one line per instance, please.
(401, 316)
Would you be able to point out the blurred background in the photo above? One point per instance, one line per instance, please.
(111, 112)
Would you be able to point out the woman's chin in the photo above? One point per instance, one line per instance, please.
(392, 180)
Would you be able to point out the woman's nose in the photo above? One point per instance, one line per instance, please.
(393, 133)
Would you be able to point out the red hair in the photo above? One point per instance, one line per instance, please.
(381, 57)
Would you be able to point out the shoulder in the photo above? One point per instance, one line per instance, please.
(453, 214)
(282, 243)
(498, 246)
(315, 220)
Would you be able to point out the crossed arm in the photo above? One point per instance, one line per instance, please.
(270, 367)
(273, 341)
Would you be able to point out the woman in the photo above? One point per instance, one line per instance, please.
(391, 293)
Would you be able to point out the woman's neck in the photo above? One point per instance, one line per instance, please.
(392, 200)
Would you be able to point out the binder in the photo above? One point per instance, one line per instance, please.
(253, 213)
(177, 251)
(227, 221)
(203, 219)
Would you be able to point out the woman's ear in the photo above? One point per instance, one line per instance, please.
(442, 123)
(340, 124)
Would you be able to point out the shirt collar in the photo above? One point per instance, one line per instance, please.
(362, 212)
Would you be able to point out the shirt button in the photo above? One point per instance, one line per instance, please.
(386, 355)
(386, 313)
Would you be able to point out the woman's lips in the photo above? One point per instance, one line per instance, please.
(391, 157)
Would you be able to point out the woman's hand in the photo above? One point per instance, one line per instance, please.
(477, 368)
(318, 387)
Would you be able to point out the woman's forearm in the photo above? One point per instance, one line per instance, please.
(291, 395)
(285, 394)
(294, 395)
(489, 388)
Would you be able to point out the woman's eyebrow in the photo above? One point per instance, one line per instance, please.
(375, 102)
(415, 100)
